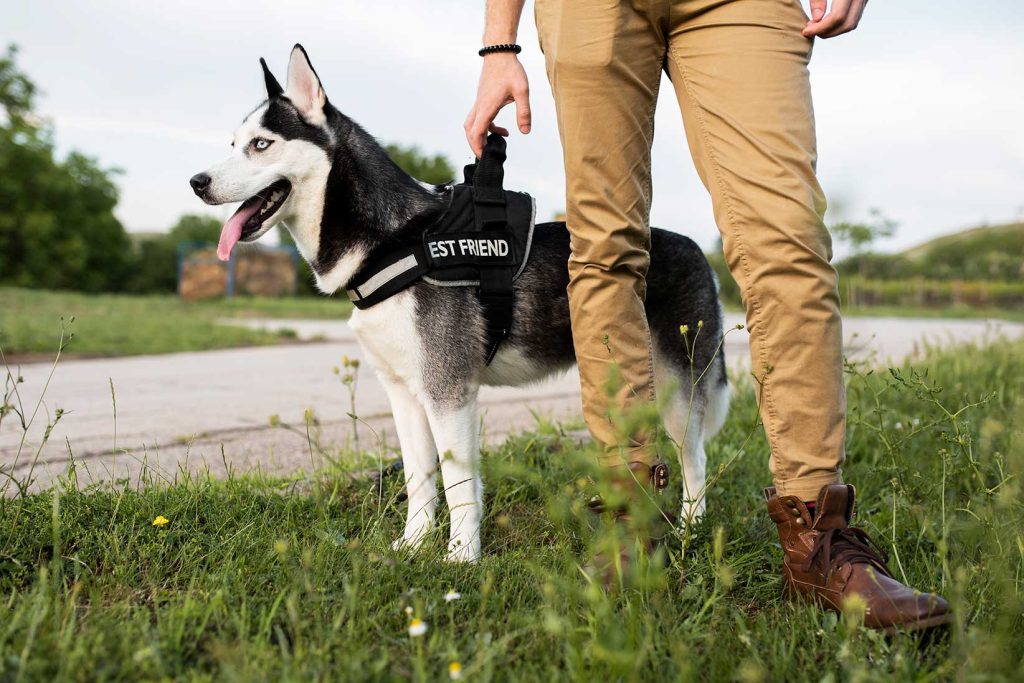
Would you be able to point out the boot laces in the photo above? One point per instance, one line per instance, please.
(849, 545)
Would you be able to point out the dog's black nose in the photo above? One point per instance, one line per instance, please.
(199, 183)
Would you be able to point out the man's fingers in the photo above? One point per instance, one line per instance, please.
(523, 114)
(830, 22)
(851, 22)
(818, 8)
(845, 27)
(467, 126)
(483, 123)
(475, 133)
(503, 132)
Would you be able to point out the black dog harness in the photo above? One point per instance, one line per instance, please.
(483, 240)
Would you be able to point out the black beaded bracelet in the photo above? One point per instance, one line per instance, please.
(503, 47)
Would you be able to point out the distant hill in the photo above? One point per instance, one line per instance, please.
(988, 252)
(984, 237)
(984, 253)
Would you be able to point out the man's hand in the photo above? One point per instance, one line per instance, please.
(842, 18)
(503, 80)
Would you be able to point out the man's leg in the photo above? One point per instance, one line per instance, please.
(604, 63)
(740, 72)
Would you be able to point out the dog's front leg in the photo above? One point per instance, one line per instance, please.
(457, 436)
(419, 463)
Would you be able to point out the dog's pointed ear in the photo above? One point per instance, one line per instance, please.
(304, 89)
(274, 88)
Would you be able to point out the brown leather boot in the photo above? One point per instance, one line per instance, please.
(636, 484)
(827, 561)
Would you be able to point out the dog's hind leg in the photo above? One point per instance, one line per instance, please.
(692, 415)
(419, 462)
(683, 417)
(684, 423)
(456, 431)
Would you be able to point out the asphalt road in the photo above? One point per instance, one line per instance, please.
(214, 409)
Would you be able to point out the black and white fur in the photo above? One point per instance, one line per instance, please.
(426, 343)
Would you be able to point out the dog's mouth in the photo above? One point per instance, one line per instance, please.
(247, 223)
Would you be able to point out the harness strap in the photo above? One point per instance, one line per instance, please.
(391, 273)
(490, 210)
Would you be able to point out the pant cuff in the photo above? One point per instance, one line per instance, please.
(808, 488)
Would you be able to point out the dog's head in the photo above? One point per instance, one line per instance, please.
(279, 163)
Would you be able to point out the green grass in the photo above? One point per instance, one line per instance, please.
(120, 325)
(257, 578)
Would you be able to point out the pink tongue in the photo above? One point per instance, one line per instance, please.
(232, 230)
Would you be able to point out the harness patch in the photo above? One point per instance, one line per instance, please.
(458, 249)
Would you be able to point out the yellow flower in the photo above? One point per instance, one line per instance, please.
(417, 628)
(160, 520)
(455, 671)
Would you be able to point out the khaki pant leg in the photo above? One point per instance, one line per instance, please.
(604, 62)
(740, 72)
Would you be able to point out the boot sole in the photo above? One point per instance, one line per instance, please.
(925, 624)
(935, 621)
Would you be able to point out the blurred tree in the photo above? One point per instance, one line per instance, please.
(861, 236)
(16, 91)
(435, 170)
(157, 255)
(57, 223)
(195, 228)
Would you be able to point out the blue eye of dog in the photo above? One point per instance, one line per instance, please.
(260, 144)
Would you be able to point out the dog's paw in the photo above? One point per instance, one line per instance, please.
(462, 551)
(411, 540)
(400, 544)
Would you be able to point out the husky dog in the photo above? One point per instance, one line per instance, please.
(299, 162)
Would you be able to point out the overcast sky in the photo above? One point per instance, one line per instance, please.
(919, 111)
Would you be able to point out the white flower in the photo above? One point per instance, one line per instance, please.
(452, 595)
(408, 610)
(455, 671)
(417, 628)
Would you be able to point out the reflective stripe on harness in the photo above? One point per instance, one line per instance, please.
(384, 276)
(387, 275)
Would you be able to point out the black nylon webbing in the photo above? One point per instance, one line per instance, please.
(491, 215)
(365, 299)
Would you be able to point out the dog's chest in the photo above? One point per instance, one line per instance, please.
(388, 335)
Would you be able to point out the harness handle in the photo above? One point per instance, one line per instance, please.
(491, 215)
(488, 173)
